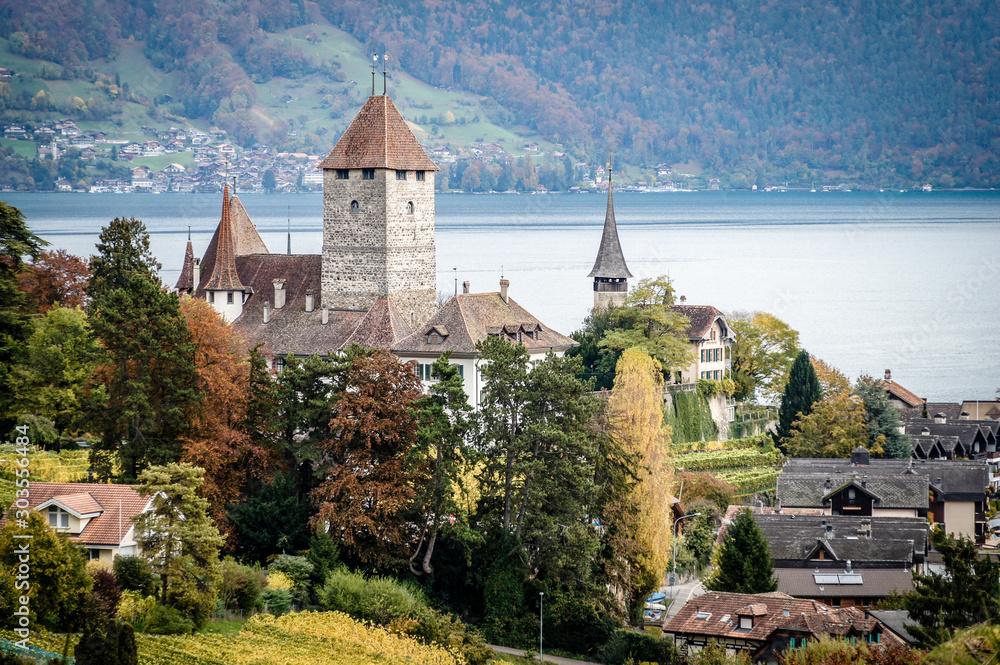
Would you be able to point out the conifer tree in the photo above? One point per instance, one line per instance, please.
(123, 251)
(801, 392)
(744, 563)
(882, 419)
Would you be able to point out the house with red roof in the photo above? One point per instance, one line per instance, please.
(96, 516)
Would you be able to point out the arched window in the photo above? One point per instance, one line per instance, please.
(409, 207)
(355, 206)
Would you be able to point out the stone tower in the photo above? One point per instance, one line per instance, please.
(378, 216)
(610, 272)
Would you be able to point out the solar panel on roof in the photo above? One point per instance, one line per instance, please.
(826, 579)
(850, 579)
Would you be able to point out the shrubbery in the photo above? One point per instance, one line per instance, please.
(134, 574)
(164, 620)
(626, 646)
(240, 586)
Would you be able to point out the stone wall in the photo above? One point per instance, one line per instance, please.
(384, 246)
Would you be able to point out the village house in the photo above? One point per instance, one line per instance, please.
(711, 341)
(96, 516)
(763, 626)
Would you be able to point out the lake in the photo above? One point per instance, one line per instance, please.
(908, 281)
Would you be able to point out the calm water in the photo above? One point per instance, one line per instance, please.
(872, 281)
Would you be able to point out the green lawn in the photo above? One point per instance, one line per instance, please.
(26, 149)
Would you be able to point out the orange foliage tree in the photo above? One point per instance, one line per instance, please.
(369, 486)
(55, 277)
(220, 440)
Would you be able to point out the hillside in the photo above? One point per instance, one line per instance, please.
(816, 92)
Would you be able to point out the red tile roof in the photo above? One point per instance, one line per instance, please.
(378, 138)
(901, 393)
(245, 240)
(223, 272)
(101, 530)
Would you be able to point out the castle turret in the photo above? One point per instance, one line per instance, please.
(378, 216)
(223, 288)
(610, 272)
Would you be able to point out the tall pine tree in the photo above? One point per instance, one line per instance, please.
(744, 563)
(801, 392)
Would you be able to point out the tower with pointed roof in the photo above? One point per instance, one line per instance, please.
(378, 216)
(610, 272)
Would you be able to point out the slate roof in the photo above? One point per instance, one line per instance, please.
(801, 583)
(610, 261)
(961, 480)
(701, 318)
(723, 620)
(896, 621)
(378, 137)
(892, 540)
(469, 318)
(91, 497)
(810, 488)
(966, 430)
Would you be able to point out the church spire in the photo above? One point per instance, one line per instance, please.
(610, 272)
(224, 276)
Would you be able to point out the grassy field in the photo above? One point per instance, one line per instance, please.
(23, 148)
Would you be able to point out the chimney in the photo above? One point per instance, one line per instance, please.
(684, 299)
(309, 301)
(267, 311)
(940, 418)
(888, 375)
(504, 283)
(860, 456)
(964, 415)
(279, 293)
(864, 481)
(926, 431)
(829, 529)
(197, 274)
(848, 569)
(326, 315)
(465, 286)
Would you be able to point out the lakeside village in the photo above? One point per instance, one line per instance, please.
(205, 159)
(374, 431)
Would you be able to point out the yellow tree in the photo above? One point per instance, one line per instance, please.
(635, 425)
(834, 428)
(831, 380)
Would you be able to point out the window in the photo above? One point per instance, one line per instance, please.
(211, 296)
(425, 372)
(716, 354)
(461, 371)
(279, 364)
(93, 555)
(58, 518)
(835, 602)
(355, 206)
(715, 375)
(342, 174)
(420, 175)
(409, 207)
(434, 338)
(229, 297)
(703, 355)
(367, 174)
(400, 175)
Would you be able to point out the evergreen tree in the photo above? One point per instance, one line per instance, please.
(744, 563)
(882, 419)
(801, 392)
(178, 538)
(967, 593)
(123, 251)
(146, 390)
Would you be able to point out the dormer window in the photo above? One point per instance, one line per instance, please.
(58, 518)
(355, 206)
(434, 338)
(343, 174)
(367, 174)
(746, 623)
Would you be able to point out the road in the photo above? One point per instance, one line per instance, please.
(681, 593)
(548, 658)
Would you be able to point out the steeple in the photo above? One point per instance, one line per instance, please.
(185, 284)
(224, 289)
(610, 272)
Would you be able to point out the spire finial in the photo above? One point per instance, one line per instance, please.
(385, 66)
(374, 62)
(189, 233)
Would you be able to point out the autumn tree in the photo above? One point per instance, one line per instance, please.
(833, 428)
(178, 538)
(443, 452)
(217, 439)
(882, 419)
(370, 483)
(635, 423)
(762, 355)
(801, 392)
(54, 366)
(831, 380)
(16, 242)
(146, 389)
(743, 561)
(55, 278)
(123, 251)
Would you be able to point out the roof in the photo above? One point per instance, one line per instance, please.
(223, 275)
(701, 318)
(94, 497)
(186, 281)
(245, 239)
(379, 138)
(610, 261)
(890, 540)
(902, 394)
(470, 317)
(811, 488)
(896, 621)
(381, 327)
(875, 582)
(717, 614)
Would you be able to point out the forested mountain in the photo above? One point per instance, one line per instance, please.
(891, 93)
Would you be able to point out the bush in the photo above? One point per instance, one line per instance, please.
(107, 591)
(323, 555)
(134, 574)
(279, 580)
(135, 609)
(626, 646)
(240, 586)
(164, 620)
(115, 645)
(298, 568)
(276, 601)
(378, 600)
